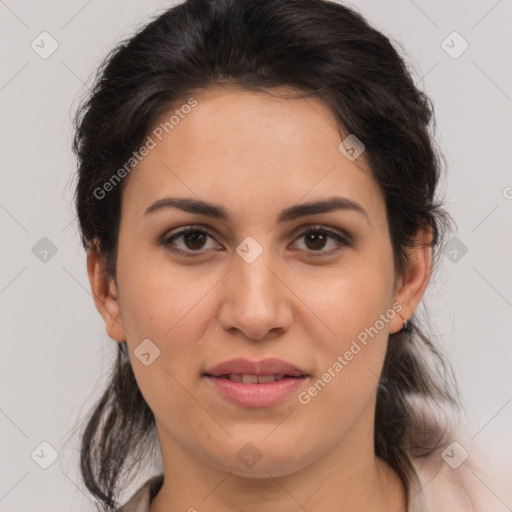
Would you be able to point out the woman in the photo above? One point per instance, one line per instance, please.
(257, 197)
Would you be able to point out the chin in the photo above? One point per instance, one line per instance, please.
(260, 458)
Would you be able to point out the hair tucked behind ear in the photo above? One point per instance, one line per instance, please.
(318, 48)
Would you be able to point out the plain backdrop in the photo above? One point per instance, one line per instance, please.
(55, 353)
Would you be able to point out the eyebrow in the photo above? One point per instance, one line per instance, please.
(288, 214)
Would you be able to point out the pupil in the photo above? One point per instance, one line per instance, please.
(195, 238)
(317, 238)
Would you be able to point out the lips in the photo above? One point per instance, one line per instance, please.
(248, 378)
(246, 371)
(263, 383)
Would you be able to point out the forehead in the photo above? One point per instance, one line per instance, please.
(253, 152)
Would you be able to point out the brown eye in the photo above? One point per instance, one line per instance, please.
(316, 240)
(193, 241)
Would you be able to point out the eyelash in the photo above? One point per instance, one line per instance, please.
(342, 241)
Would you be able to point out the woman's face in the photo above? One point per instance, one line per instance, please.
(253, 286)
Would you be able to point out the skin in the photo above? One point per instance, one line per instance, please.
(256, 154)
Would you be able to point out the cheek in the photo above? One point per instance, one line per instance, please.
(162, 303)
(354, 306)
(349, 297)
(159, 297)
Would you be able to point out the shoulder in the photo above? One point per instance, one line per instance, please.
(459, 478)
(141, 499)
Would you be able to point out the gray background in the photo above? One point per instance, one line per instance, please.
(54, 351)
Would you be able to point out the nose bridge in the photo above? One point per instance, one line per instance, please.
(254, 301)
(254, 283)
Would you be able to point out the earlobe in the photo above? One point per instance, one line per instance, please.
(415, 279)
(105, 294)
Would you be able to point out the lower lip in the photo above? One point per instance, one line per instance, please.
(256, 395)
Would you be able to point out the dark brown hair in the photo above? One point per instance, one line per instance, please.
(321, 49)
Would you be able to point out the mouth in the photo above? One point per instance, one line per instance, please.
(249, 383)
(251, 372)
(243, 378)
(255, 391)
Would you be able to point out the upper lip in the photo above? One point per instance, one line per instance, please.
(264, 367)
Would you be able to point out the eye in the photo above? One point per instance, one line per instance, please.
(317, 238)
(194, 240)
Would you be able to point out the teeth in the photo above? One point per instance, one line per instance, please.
(254, 379)
(266, 378)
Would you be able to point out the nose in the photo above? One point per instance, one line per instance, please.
(255, 303)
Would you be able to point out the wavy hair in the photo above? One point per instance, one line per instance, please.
(321, 49)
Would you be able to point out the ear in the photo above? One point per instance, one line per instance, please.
(411, 286)
(104, 292)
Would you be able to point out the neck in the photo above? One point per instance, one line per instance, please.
(347, 478)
